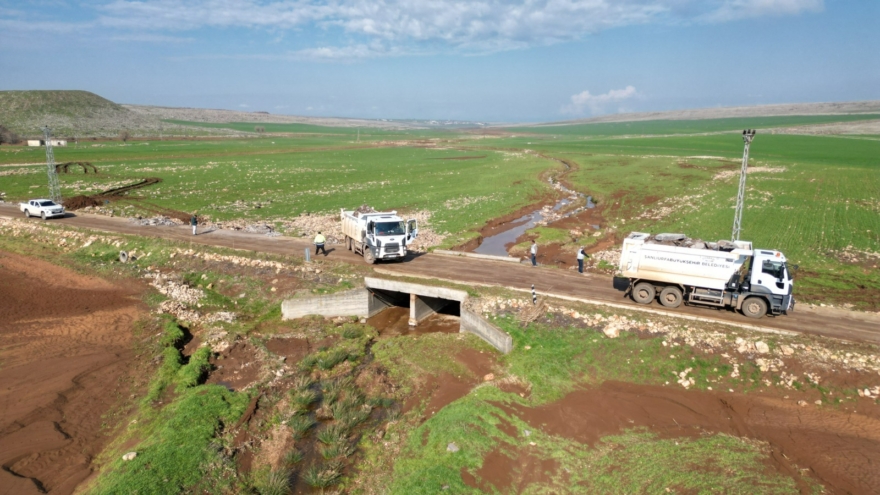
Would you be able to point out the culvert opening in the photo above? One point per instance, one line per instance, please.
(394, 314)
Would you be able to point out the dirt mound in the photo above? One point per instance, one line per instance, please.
(65, 361)
(236, 367)
(799, 436)
(80, 202)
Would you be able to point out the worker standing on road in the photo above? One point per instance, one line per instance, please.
(534, 253)
(581, 256)
(194, 222)
(319, 244)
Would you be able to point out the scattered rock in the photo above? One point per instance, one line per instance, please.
(489, 377)
(802, 403)
(129, 456)
(452, 447)
(761, 347)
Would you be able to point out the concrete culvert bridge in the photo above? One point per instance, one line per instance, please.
(422, 301)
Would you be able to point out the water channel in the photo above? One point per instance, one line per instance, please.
(497, 244)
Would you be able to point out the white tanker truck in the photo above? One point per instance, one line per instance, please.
(377, 235)
(726, 274)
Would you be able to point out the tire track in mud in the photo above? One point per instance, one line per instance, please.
(65, 346)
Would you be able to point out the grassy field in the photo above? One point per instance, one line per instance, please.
(348, 412)
(812, 197)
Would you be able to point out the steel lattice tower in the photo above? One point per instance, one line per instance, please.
(748, 135)
(54, 184)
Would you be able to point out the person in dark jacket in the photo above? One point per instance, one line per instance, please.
(194, 222)
(580, 257)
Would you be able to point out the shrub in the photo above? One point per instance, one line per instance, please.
(300, 424)
(293, 457)
(304, 397)
(274, 483)
(322, 477)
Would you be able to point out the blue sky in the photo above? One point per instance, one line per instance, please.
(478, 60)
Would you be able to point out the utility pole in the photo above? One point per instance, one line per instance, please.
(54, 184)
(748, 135)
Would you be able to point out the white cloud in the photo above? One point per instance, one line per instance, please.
(599, 103)
(731, 10)
(412, 26)
(243, 105)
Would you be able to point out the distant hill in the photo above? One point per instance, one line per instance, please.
(777, 110)
(75, 113)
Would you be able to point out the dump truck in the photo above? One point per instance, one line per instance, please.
(723, 274)
(377, 235)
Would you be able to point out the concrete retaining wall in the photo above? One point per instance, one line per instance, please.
(477, 325)
(419, 290)
(488, 257)
(355, 302)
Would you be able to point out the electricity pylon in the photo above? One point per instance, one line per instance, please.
(54, 184)
(748, 135)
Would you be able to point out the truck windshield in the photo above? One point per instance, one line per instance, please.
(47, 203)
(390, 228)
(774, 268)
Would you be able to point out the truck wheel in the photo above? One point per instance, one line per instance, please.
(754, 307)
(368, 255)
(43, 215)
(643, 293)
(670, 297)
(27, 213)
(350, 242)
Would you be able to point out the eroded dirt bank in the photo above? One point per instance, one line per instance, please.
(65, 352)
(839, 447)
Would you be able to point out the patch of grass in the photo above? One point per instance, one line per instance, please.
(332, 434)
(300, 424)
(194, 371)
(179, 449)
(322, 476)
(275, 482)
(294, 456)
(408, 359)
(171, 363)
(304, 398)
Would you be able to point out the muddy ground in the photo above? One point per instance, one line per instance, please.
(65, 355)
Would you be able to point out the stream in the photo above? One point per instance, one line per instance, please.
(497, 244)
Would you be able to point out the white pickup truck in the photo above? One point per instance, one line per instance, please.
(43, 208)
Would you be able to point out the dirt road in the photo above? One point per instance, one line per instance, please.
(65, 349)
(846, 325)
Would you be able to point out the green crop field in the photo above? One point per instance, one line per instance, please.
(812, 197)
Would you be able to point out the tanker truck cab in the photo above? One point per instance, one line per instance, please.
(769, 279)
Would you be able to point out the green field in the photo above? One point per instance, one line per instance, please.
(812, 197)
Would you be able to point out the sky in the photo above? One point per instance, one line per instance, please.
(474, 60)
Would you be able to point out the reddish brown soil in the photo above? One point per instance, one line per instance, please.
(841, 448)
(292, 349)
(236, 367)
(394, 321)
(504, 473)
(440, 390)
(66, 354)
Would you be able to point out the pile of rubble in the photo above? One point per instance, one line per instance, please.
(154, 221)
(235, 260)
(681, 240)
